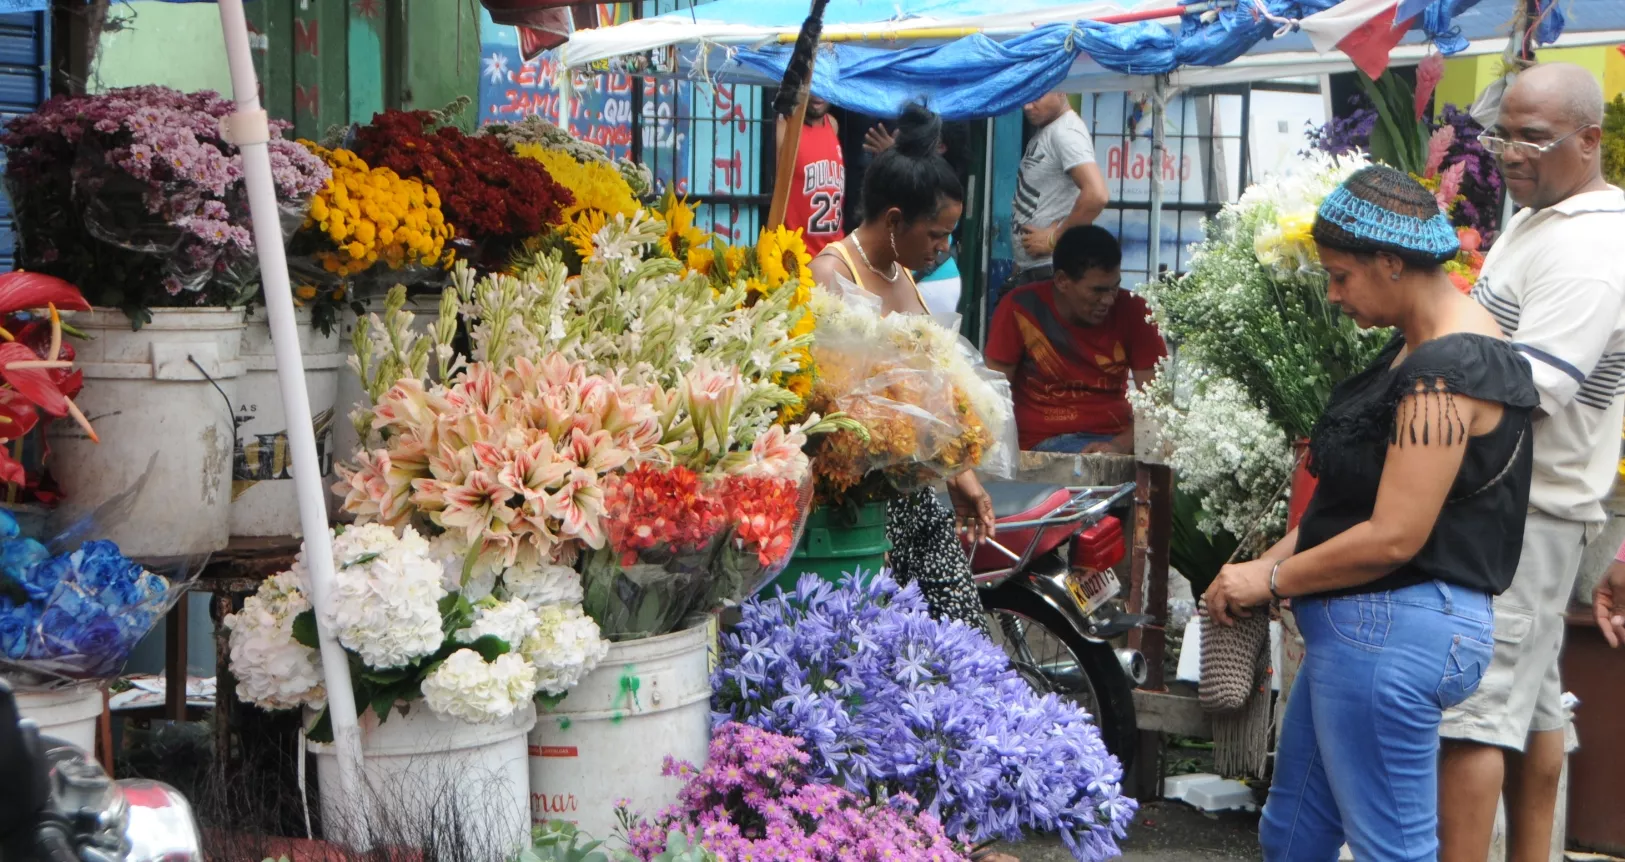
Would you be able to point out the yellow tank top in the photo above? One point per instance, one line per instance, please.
(852, 266)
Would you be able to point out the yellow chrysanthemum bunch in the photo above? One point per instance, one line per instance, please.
(371, 215)
(594, 185)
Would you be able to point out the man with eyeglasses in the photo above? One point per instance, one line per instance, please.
(1555, 281)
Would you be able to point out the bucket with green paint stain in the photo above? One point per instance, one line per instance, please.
(608, 738)
(837, 541)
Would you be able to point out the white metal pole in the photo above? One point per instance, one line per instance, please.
(1153, 222)
(249, 129)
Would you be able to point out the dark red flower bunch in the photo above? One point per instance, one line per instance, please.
(651, 507)
(490, 195)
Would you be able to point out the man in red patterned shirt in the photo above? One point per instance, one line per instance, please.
(819, 190)
(1069, 347)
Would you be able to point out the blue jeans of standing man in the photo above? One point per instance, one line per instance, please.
(1358, 759)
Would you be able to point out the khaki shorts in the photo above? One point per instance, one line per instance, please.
(1521, 692)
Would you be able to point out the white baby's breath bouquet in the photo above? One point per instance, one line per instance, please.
(1253, 307)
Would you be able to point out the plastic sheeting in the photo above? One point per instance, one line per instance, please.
(985, 75)
(977, 76)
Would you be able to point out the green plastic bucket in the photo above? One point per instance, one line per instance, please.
(837, 542)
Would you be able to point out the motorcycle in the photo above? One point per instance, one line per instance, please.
(1047, 581)
(57, 804)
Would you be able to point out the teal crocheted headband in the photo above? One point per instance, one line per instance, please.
(1382, 229)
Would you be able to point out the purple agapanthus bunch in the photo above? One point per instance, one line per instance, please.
(889, 700)
(136, 188)
(1343, 135)
(754, 799)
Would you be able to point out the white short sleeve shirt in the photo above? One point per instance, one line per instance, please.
(1555, 281)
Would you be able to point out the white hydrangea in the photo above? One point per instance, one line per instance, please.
(273, 670)
(565, 647)
(511, 622)
(385, 602)
(451, 550)
(543, 584)
(467, 687)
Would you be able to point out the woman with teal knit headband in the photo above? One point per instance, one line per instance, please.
(1423, 461)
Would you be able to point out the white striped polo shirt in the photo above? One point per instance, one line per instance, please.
(1555, 281)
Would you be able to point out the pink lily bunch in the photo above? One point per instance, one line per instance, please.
(513, 459)
(35, 366)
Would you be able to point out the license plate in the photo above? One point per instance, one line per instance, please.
(1092, 590)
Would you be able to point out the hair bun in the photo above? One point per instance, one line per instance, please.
(919, 131)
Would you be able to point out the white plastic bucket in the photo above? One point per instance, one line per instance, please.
(168, 389)
(426, 311)
(609, 737)
(262, 497)
(432, 780)
(69, 714)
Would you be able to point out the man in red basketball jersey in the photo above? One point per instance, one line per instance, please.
(819, 190)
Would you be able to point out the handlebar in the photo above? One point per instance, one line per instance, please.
(1088, 504)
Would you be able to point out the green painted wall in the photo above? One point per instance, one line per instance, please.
(174, 44)
(439, 59)
(321, 62)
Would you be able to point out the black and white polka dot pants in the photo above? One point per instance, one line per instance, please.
(925, 548)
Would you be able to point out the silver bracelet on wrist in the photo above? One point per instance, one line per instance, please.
(1275, 570)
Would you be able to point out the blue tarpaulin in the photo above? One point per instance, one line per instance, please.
(733, 41)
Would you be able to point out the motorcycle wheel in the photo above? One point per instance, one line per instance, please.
(1053, 658)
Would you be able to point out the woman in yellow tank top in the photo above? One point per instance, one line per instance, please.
(912, 199)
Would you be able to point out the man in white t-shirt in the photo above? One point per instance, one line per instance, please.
(1059, 186)
(1555, 281)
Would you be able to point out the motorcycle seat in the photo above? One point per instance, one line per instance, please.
(1020, 501)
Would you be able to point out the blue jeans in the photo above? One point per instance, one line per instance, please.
(1071, 444)
(1358, 759)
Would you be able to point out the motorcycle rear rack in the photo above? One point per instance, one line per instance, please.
(1089, 503)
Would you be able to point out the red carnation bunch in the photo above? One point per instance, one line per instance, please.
(763, 512)
(651, 507)
(490, 195)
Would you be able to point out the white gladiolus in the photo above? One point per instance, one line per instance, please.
(467, 687)
(564, 648)
(385, 601)
(273, 670)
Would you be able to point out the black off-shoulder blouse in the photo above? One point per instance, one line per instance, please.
(1479, 534)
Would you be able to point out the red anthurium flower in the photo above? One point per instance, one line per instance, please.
(21, 291)
(35, 384)
(18, 415)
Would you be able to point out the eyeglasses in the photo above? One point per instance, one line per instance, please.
(1502, 146)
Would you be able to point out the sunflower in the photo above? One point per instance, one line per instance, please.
(782, 256)
(702, 260)
(733, 260)
(681, 234)
(582, 230)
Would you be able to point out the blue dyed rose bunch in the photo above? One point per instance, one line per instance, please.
(77, 614)
(889, 700)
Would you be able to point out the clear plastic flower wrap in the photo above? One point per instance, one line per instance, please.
(930, 405)
(72, 609)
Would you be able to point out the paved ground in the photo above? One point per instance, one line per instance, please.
(1169, 832)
